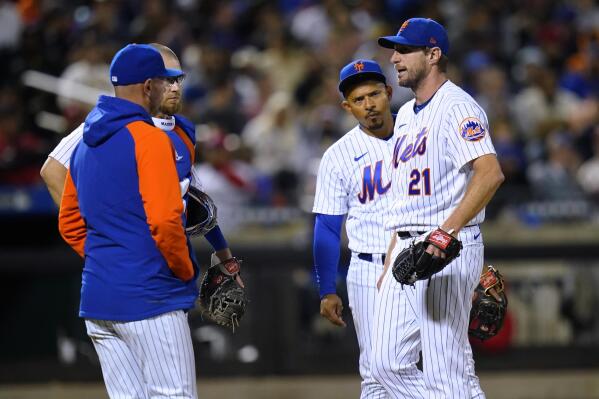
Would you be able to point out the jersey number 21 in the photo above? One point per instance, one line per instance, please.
(420, 182)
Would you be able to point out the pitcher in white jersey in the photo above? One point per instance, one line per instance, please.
(354, 179)
(446, 171)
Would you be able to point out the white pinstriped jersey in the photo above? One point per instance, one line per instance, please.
(354, 178)
(63, 151)
(432, 157)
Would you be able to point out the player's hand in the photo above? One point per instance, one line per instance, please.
(222, 255)
(435, 251)
(331, 308)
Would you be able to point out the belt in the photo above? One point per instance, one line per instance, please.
(368, 257)
(407, 234)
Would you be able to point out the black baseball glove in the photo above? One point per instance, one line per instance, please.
(414, 263)
(489, 304)
(222, 299)
(201, 212)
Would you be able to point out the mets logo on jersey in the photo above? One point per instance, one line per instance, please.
(472, 129)
(359, 66)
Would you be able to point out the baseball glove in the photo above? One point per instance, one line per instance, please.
(221, 298)
(489, 304)
(201, 212)
(414, 263)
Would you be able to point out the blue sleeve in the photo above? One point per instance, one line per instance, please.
(216, 239)
(327, 239)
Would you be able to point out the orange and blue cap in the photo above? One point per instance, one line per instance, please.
(360, 70)
(135, 63)
(418, 32)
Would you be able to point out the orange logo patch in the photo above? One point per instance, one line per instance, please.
(358, 66)
(404, 25)
(471, 129)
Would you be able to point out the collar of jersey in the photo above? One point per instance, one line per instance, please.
(418, 108)
(164, 124)
(363, 130)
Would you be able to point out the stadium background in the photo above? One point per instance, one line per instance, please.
(261, 87)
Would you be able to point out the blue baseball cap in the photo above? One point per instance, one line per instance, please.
(360, 70)
(420, 32)
(135, 63)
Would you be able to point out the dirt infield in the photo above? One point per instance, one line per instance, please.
(517, 385)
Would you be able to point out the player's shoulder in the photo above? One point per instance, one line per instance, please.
(453, 95)
(76, 134)
(348, 139)
(407, 107)
(78, 129)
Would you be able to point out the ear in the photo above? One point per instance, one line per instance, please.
(148, 87)
(345, 105)
(389, 91)
(434, 55)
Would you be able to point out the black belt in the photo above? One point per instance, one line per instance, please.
(408, 234)
(368, 257)
(412, 233)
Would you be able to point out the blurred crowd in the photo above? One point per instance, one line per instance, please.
(262, 80)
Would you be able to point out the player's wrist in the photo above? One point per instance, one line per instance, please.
(451, 230)
(327, 294)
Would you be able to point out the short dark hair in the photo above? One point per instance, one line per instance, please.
(350, 83)
(443, 61)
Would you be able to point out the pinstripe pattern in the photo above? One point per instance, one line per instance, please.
(340, 184)
(432, 318)
(447, 156)
(341, 189)
(63, 151)
(151, 358)
(361, 292)
(436, 145)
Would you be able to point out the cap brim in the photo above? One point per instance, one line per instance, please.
(361, 77)
(391, 41)
(173, 72)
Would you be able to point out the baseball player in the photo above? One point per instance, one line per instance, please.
(121, 210)
(354, 179)
(55, 168)
(445, 172)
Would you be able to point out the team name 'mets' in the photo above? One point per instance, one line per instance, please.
(372, 183)
(418, 147)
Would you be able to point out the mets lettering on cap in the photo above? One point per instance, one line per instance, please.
(359, 66)
(472, 129)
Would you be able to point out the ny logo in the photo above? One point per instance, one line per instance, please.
(404, 25)
(358, 66)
